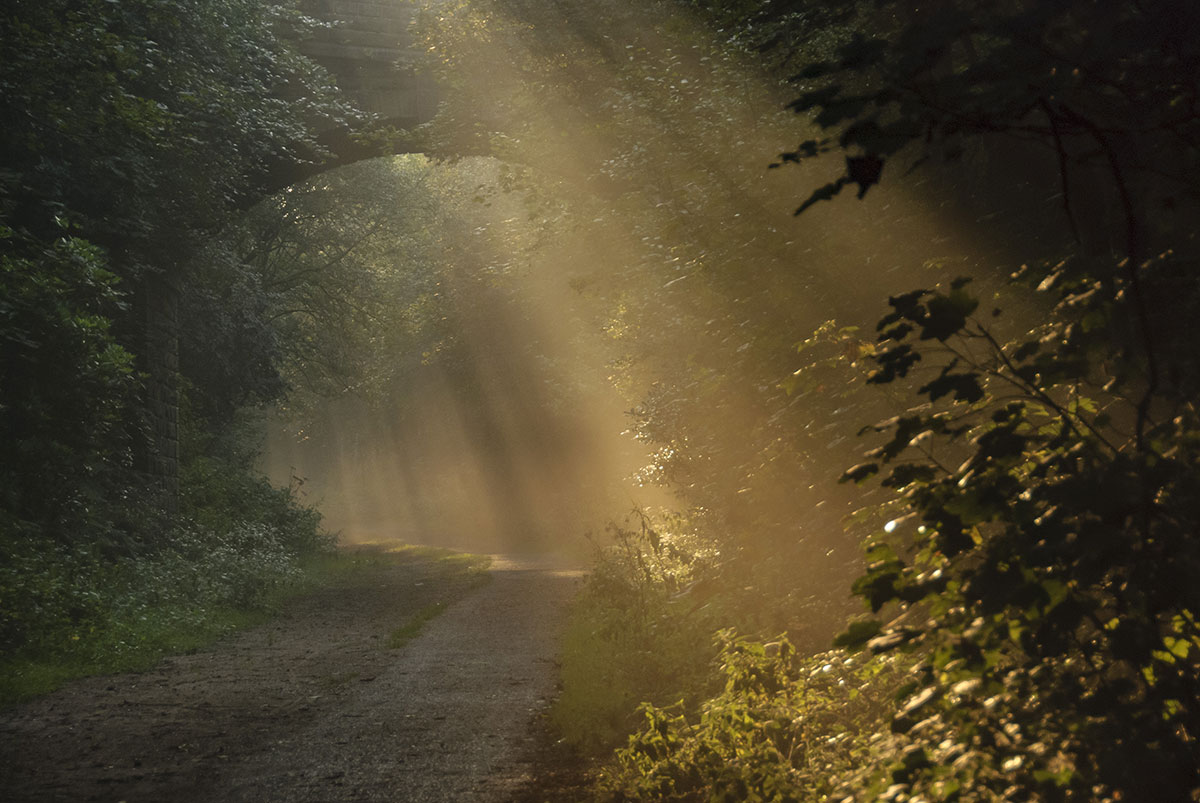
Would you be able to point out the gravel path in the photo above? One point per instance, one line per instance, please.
(312, 707)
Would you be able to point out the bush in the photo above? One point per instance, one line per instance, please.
(71, 611)
(97, 604)
(220, 496)
(52, 598)
(640, 630)
(1046, 554)
(783, 729)
(221, 488)
(65, 386)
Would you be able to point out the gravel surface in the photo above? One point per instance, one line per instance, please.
(313, 706)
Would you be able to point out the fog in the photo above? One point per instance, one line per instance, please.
(518, 445)
(621, 286)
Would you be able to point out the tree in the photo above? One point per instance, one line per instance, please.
(64, 386)
(137, 131)
(1042, 558)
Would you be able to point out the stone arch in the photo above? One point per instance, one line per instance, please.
(369, 52)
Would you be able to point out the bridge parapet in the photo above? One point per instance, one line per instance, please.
(368, 51)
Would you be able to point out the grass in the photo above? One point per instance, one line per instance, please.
(410, 629)
(121, 648)
(457, 572)
(137, 639)
(139, 636)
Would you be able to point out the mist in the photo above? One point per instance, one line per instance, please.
(618, 290)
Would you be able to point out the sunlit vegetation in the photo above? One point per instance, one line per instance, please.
(1029, 549)
(781, 725)
(641, 631)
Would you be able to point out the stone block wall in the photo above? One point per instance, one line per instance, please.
(369, 52)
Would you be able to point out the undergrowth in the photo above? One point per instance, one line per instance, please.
(68, 612)
(640, 630)
(783, 728)
(668, 712)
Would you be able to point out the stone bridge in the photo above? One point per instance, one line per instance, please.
(369, 51)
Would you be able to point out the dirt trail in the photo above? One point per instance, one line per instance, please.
(313, 707)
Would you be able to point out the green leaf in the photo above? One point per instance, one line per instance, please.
(964, 386)
(947, 314)
(855, 637)
(860, 473)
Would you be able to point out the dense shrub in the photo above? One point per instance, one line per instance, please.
(220, 495)
(782, 729)
(64, 385)
(63, 598)
(101, 602)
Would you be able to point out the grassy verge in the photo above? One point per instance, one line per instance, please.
(143, 612)
(456, 572)
(410, 629)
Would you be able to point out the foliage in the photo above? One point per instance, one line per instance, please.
(136, 134)
(95, 616)
(346, 272)
(67, 610)
(640, 630)
(1038, 550)
(239, 539)
(220, 483)
(1055, 513)
(345, 286)
(65, 385)
(132, 130)
(146, 119)
(97, 599)
(1049, 477)
(219, 494)
(782, 729)
(1104, 88)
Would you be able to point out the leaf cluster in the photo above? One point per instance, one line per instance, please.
(1046, 547)
(783, 729)
(1046, 480)
(132, 131)
(64, 384)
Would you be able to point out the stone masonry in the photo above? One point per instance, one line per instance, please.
(369, 51)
